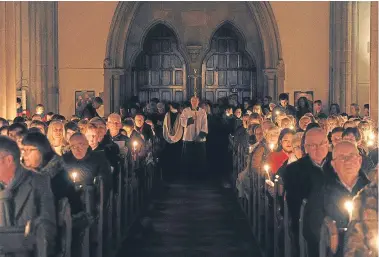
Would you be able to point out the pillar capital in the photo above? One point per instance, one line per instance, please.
(270, 73)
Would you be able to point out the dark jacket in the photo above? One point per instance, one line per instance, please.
(89, 112)
(61, 184)
(94, 164)
(299, 179)
(328, 200)
(145, 131)
(31, 199)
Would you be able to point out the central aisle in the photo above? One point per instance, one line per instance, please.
(193, 219)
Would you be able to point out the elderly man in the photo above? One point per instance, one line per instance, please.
(335, 195)
(86, 163)
(195, 124)
(143, 128)
(24, 195)
(307, 173)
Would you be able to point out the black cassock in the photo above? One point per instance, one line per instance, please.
(194, 159)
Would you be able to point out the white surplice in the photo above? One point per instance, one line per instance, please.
(191, 132)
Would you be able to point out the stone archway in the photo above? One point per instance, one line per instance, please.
(117, 66)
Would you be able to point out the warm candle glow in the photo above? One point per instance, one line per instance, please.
(277, 112)
(292, 127)
(74, 175)
(266, 167)
(370, 143)
(349, 207)
(272, 147)
(372, 136)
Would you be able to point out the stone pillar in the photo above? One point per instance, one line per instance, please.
(280, 77)
(107, 86)
(270, 75)
(116, 73)
(7, 60)
(343, 53)
(43, 72)
(374, 61)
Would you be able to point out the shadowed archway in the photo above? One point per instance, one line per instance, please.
(118, 61)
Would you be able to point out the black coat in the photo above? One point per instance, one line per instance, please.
(145, 131)
(299, 179)
(328, 200)
(89, 112)
(31, 199)
(61, 184)
(94, 164)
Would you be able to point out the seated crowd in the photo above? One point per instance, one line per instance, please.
(328, 160)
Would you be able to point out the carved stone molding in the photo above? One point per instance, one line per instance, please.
(117, 72)
(194, 52)
(280, 69)
(107, 63)
(270, 73)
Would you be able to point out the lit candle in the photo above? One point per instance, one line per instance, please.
(370, 143)
(74, 175)
(276, 176)
(372, 136)
(250, 149)
(266, 167)
(135, 144)
(277, 112)
(349, 207)
(292, 127)
(272, 147)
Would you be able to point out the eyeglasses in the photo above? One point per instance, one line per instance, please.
(344, 158)
(316, 146)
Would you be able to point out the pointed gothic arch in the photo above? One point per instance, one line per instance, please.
(117, 63)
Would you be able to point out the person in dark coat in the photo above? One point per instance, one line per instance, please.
(307, 173)
(39, 157)
(85, 163)
(143, 128)
(90, 111)
(334, 198)
(30, 195)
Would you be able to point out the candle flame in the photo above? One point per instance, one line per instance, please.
(349, 206)
(370, 143)
(372, 136)
(272, 147)
(135, 143)
(74, 175)
(292, 127)
(277, 112)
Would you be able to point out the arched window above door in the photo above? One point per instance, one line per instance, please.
(159, 70)
(228, 68)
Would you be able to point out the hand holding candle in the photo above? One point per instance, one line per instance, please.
(266, 167)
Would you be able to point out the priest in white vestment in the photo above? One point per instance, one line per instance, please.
(195, 124)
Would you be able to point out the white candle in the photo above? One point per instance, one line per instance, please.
(135, 144)
(349, 207)
(266, 167)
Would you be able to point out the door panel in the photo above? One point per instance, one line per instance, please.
(227, 69)
(159, 70)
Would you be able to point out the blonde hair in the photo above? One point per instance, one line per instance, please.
(83, 126)
(49, 135)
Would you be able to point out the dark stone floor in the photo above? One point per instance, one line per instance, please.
(193, 219)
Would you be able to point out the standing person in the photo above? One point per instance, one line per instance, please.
(318, 109)
(90, 111)
(172, 133)
(283, 107)
(195, 123)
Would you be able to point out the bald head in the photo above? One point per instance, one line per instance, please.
(346, 162)
(316, 144)
(79, 145)
(343, 147)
